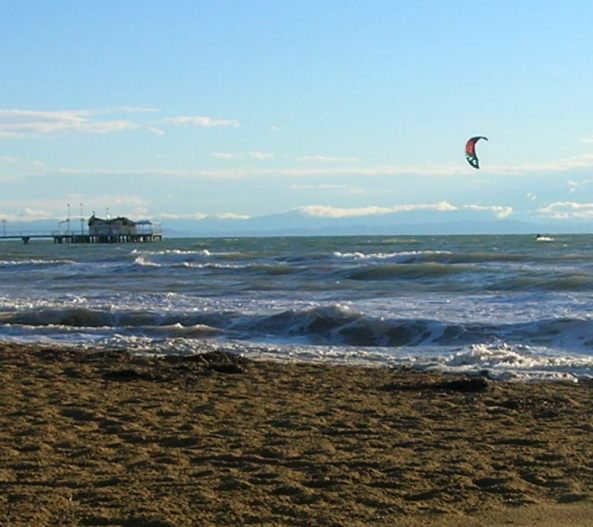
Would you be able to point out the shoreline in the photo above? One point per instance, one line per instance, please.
(108, 438)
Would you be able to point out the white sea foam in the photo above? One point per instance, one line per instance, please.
(202, 252)
(36, 262)
(178, 329)
(192, 265)
(519, 362)
(508, 366)
(141, 260)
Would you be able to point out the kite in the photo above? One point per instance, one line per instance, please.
(470, 150)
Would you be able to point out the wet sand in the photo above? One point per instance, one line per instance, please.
(107, 439)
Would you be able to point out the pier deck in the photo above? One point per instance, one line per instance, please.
(87, 238)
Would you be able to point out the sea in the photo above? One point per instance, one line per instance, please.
(515, 308)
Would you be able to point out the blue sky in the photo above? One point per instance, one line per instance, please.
(235, 109)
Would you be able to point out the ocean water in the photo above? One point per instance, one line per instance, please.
(511, 307)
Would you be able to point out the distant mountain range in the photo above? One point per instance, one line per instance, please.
(298, 223)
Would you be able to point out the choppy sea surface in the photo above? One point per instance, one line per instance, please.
(515, 307)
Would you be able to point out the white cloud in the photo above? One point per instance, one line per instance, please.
(29, 209)
(196, 216)
(376, 170)
(117, 204)
(29, 214)
(13, 207)
(560, 165)
(200, 121)
(323, 211)
(11, 212)
(155, 130)
(22, 123)
(130, 109)
(574, 185)
(329, 159)
(441, 206)
(191, 216)
(499, 211)
(320, 186)
(567, 210)
(12, 168)
(224, 155)
(232, 216)
(531, 196)
(261, 156)
(243, 173)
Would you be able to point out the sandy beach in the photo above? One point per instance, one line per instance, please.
(114, 440)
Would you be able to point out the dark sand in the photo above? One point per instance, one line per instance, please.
(110, 440)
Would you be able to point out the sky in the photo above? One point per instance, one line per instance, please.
(180, 109)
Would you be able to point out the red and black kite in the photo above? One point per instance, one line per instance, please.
(470, 150)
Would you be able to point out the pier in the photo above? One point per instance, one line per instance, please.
(150, 237)
(118, 238)
(25, 237)
(117, 230)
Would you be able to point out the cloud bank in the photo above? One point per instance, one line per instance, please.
(567, 210)
(329, 159)
(499, 211)
(17, 123)
(200, 121)
(22, 123)
(261, 156)
(323, 211)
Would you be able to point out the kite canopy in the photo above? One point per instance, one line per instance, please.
(470, 150)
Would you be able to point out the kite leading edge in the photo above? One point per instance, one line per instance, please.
(470, 150)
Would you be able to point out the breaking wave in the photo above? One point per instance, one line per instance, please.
(330, 325)
(505, 304)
